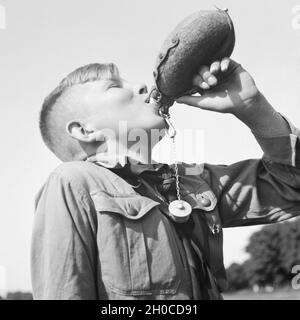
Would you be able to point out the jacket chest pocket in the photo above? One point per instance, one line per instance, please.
(137, 249)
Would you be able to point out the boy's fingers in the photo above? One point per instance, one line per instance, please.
(215, 67)
(198, 81)
(207, 76)
(225, 64)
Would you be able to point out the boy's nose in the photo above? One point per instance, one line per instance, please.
(140, 88)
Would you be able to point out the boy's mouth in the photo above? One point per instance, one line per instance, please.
(153, 97)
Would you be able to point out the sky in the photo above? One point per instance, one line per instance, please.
(44, 40)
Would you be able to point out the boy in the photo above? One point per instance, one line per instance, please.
(102, 225)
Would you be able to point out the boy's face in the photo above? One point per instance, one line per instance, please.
(109, 101)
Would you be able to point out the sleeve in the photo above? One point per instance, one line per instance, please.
(260, 191)
(63, 250)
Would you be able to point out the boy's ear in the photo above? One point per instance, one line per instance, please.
(77, 130)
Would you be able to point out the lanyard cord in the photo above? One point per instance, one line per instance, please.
(176, 169)
(171, 133)
(179, 209)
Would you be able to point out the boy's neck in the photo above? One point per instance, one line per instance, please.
(137, 152)
(119, 157)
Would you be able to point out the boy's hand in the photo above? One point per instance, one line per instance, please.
(225, 87)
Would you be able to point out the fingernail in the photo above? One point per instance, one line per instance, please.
(214, 70)
(224, 67)
(204, 85)
(212, 81)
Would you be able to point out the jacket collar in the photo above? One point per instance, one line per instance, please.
(127, 165)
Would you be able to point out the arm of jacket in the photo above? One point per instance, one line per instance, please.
(62, 251)
(260, 191)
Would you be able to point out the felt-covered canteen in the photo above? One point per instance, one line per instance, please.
(199, 39)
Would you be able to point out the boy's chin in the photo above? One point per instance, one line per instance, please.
(153, 122)
(159, 123)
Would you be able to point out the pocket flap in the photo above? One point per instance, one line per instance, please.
(132, 206)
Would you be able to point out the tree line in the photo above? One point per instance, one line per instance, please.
(273, 252)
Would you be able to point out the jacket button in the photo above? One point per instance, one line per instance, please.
(160, 56)
(205, 202)
(216, 229)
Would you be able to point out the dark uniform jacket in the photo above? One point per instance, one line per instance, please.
(98, 235)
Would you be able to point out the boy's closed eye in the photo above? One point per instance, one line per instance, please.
(114, 83)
